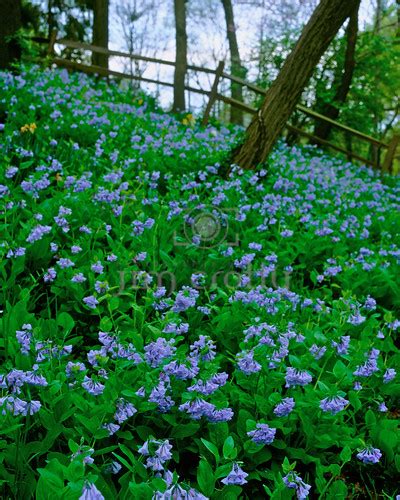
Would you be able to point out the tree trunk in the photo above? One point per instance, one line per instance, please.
(181, 56)
(236, 65)
(100, 32)
(10, 50)
(281, 98)
(378, 16)
(50, 18)
(343, 79)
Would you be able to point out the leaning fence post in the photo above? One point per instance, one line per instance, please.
(52, 41)
(391, 151)
(213, 92)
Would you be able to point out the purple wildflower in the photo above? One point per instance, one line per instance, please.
(285, 407)
(91, 301)
(236, 476)
(263, 434)
(247, 364)
(97, 267)
(294, 481)
(333, 405)
(296, 377)
(369, 455)
(92, 387)
(90, 492)
(389, 375)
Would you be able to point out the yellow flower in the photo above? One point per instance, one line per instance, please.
(29, 127)
(140, 102)
(189, 119)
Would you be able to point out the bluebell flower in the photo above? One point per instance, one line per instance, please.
(203, 349)
(73, 369)
(370, 366)
(78, 278)
(24, 338)
(124, 411)
(50, 276)
(90, 492)
(156, 352)
(111, 428)
(236, 476)
(285, 407)
(92, 387)
(159, 395)
(91, 301)
(382, 407)
(185, 298)
(333, 404)
(155, 464)
(263, 434)
(370, 303)
(101, 286)
(369, 455)
(356, 319)
(163, 452)
(317, 351)
(37, 233)
(221, 415)
(297, 377)
(65, 263)
(247, 363)
(97, 267)
(389, 375)
(294, 481)
(342, 348)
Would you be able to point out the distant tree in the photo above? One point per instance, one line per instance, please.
(283, 95)
(181, 56)
(398, 18)
(10, 23)
(136, 20)
(100, 31)
(236, 65)
(343, 78)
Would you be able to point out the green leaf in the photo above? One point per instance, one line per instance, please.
(370, 418)
(205, 478)
(339, 369)
(141, 491)
(66, 322)
(212, 448)
(228, 448)
(183, 431)
(337, 491)
(345, 454)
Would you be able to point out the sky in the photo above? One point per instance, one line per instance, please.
(154, 36)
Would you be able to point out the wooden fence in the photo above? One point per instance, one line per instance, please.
(214, 95)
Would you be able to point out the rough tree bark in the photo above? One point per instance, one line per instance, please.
(180, 57)
(343, 79)
(236, 65)
(281, 98)
(50, 18)
(100, 31)
(378, 16)
(10, 23)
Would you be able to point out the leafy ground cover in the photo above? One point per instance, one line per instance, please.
(170, 333)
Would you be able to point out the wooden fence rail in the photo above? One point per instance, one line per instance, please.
(214, 95)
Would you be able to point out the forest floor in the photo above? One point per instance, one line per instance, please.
(168, 331)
